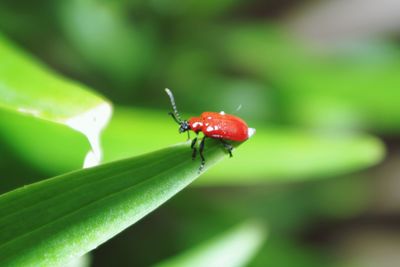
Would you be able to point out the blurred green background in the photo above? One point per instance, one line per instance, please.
(319, 80)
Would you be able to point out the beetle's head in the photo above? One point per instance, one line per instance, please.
(184, 126)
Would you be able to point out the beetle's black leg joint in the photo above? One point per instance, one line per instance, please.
(194, 141)
(193, 147)
(201, 149)
(227, 146)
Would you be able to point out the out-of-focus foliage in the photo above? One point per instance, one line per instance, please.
(351, 87)
(93, 27)
(326, 109)
(234, 248)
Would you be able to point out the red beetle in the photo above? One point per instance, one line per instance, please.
(215, 125)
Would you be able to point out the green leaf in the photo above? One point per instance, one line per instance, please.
(284, 251)
(56, 220)
(275, 153)
(233, 248)
(27, 86)
(43, 143)
(287, 154)
(84, 261)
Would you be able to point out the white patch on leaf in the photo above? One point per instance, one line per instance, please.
(91, 123)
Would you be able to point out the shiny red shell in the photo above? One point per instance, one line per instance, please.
(220, 125)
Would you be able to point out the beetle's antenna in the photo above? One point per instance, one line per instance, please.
(176, 114)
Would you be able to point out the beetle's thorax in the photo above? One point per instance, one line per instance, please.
(196, 124)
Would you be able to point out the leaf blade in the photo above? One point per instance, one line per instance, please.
(27, 86)
(71, 214)
(231, 249)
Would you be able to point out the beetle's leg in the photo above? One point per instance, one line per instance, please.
(188, 135)
(201, 149)
(193, 147)
(227, 146)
